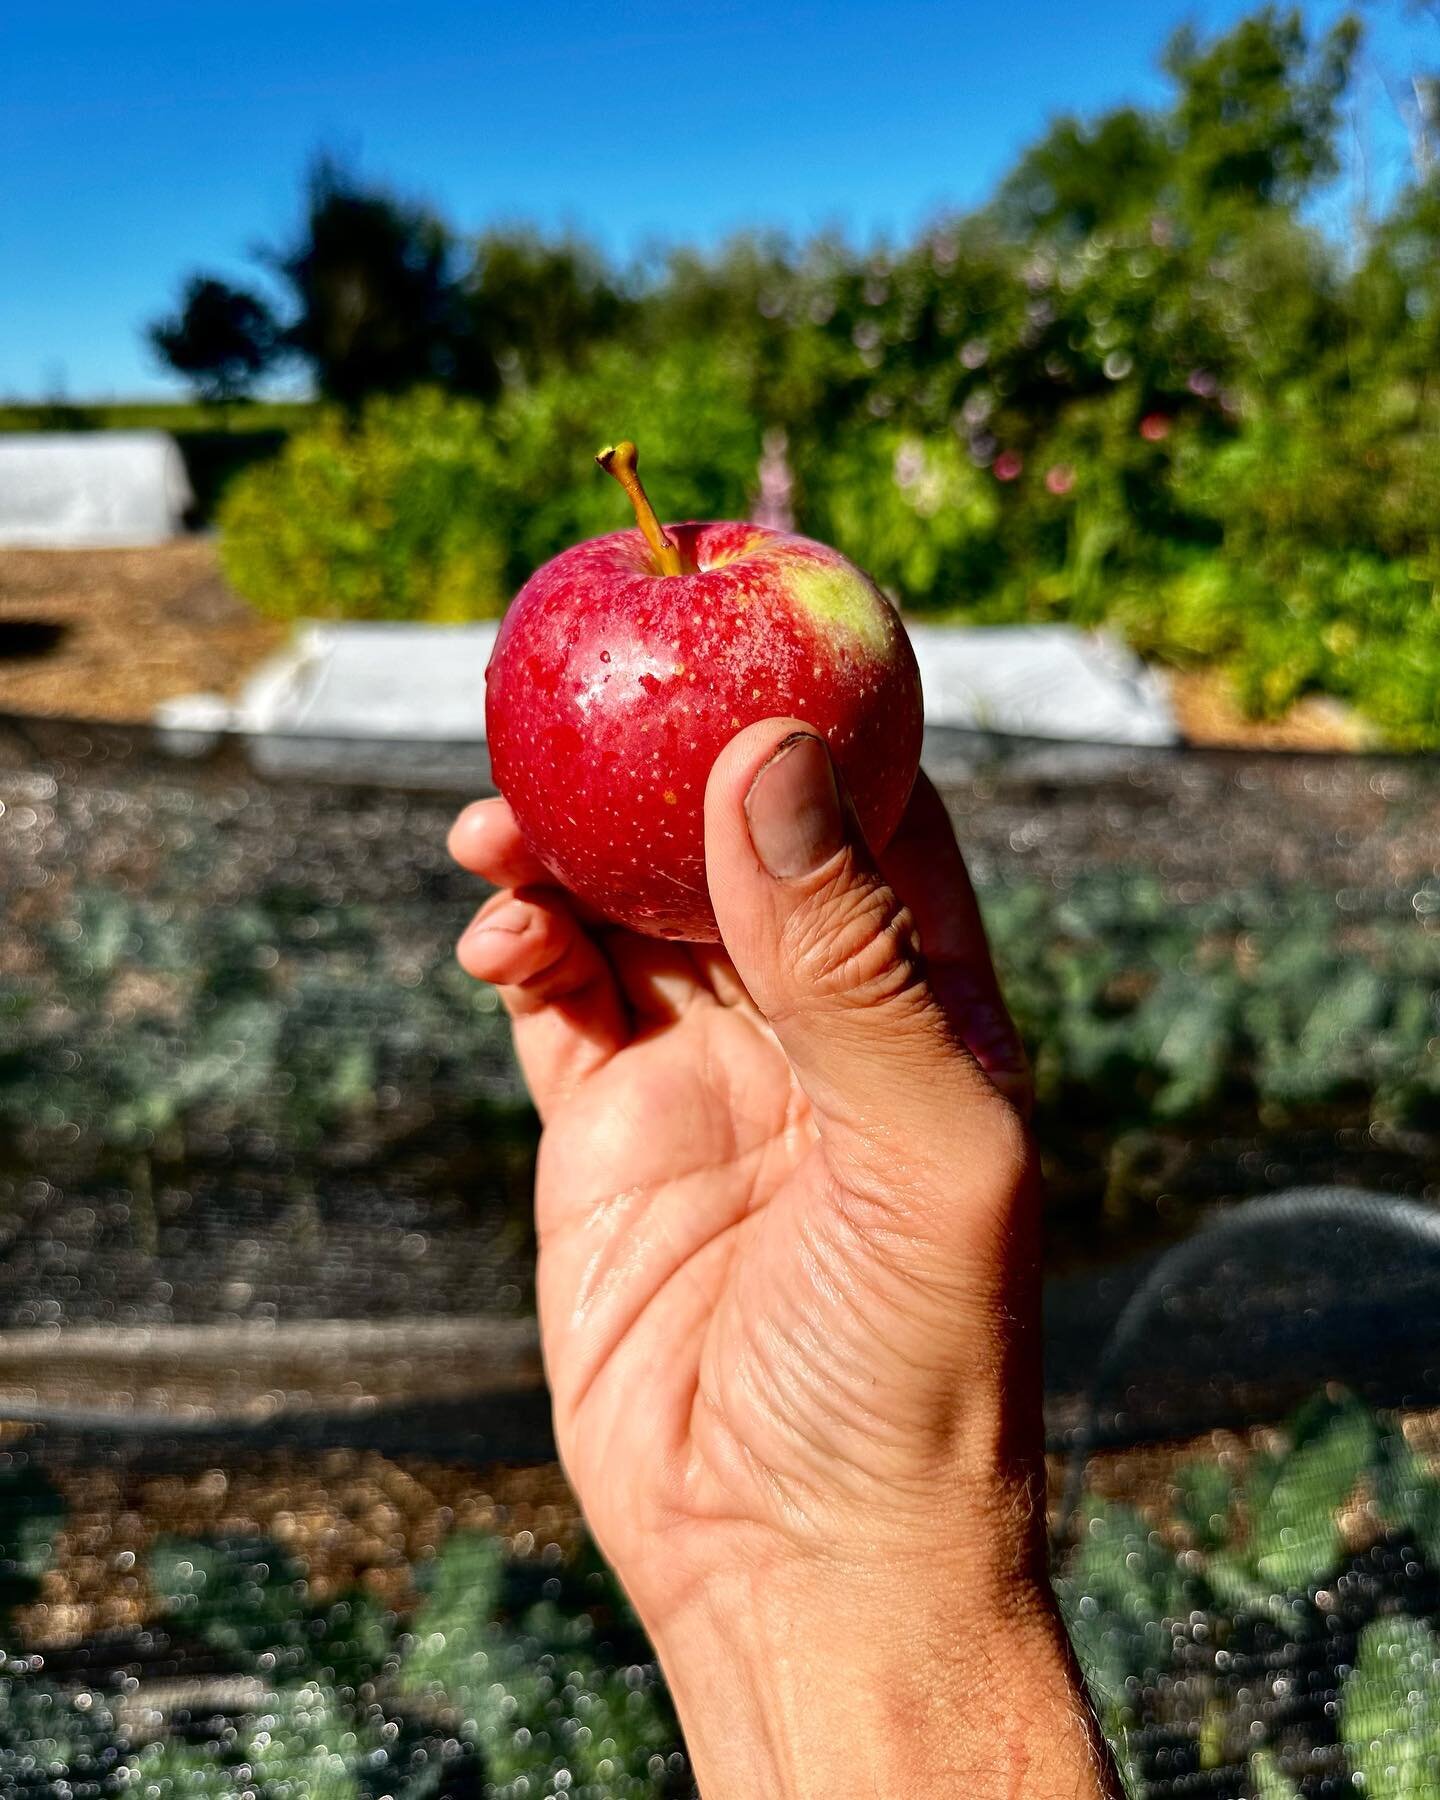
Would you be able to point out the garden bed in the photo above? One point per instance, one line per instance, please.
(232, 1008)
(1253, 1611)
(114, 634)
(247, 1102)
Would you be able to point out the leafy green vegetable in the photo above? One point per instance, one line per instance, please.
(300, 1747)
(454, 1631)
(290, 1017)
(1242, 1568)
(1408, 1496)
(248, 1600)
(1203, 1499)
(282, 1013)
(1390, 1711)
(1269, 1781)
(245, 1599)
(531, 1685)
(1117, 1593)
(1295, 1537)
(537, 1678)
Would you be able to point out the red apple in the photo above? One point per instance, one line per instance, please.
(627, 663)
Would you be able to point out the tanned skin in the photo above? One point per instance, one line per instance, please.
(787, 1209)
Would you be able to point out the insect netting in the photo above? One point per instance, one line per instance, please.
(278, 1507)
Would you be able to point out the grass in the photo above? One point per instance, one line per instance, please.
(178, 416)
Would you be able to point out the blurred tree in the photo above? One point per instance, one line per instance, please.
(1080, 177)
(1258, 109)
(761, 297)
(222, 340)
(373, 280)
(1396, 290)
(526, 306)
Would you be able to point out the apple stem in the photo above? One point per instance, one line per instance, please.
(622, 460)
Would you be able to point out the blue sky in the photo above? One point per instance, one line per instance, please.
(140, 139)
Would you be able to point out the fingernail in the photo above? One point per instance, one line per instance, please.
(511, 918)
(793, 808)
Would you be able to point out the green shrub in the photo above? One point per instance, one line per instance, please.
(688, 410)
(910, 508)
(434, 507)
(394, 517)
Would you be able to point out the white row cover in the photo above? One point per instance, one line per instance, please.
(67, 490)
(425, 684)
(1043, 681)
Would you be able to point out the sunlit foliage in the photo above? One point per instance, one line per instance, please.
(1139, 388)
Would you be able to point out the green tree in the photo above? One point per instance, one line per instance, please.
(222, 339)
(1257, 111)
(373, 283)
(528, 306)
(1082, 177)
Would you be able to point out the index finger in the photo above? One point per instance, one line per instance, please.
(486, 840)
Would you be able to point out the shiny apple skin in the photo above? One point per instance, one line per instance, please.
(612, 688)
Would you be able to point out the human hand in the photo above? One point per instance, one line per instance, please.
(788, 1279)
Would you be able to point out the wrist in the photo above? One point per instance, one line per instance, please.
(877, 1682)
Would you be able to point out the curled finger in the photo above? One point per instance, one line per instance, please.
(556, 983)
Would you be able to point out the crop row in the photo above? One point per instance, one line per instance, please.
(146, 1025)
(1263, 1625)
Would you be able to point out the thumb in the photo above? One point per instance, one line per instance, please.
(831, 956)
